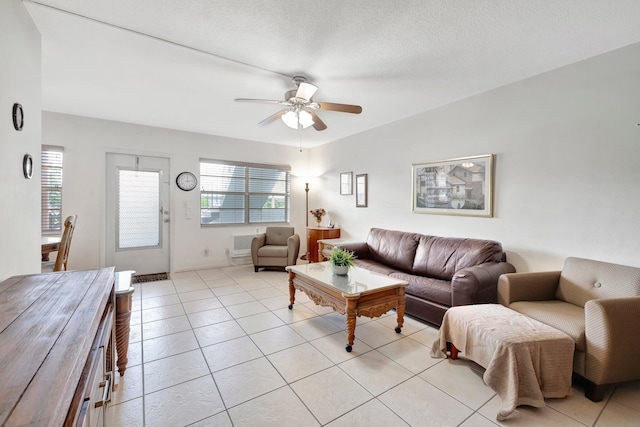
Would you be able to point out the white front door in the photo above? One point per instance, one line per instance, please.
(137, 213)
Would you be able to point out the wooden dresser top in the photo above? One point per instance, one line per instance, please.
(48, 323)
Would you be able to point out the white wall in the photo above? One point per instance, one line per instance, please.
(20, 198)
(567, 175)
(567, 148)
(86, 142)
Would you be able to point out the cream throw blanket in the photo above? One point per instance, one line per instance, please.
(525, 360)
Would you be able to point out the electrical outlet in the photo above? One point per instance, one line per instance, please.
(226, 251)
(206, 251)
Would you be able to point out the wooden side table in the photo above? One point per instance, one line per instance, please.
(124, 296)
(56, 336)
(318, 233)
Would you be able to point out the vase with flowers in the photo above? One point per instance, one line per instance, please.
(318, 213)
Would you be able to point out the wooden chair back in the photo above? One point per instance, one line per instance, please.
(65, 243)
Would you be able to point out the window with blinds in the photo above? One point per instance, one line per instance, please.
(51, 187)
(242, 193)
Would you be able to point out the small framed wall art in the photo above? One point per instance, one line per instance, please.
(361, 191)
(346, 183)
(462, 186)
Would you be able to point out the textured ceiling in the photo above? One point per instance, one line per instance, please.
(179, 64)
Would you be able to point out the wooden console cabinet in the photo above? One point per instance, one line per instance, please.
(57, 348)
(318, 233)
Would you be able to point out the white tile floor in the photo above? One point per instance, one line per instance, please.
(220, 348)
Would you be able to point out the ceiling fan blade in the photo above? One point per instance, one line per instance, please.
(317, 123)
(272, 118)
(263, 101)
(343, 108)
(306, 91)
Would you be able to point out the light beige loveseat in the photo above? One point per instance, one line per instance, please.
(594, 302)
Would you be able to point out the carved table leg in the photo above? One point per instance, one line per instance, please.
(123, 317)
(400, 309)
(351, 322)
(292, 290)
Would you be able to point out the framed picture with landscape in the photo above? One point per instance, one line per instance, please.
(462, 186)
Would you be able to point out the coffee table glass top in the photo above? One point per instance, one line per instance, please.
(358, 281)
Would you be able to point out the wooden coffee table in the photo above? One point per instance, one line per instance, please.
(360, 293)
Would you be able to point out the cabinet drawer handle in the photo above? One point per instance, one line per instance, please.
(105, 393)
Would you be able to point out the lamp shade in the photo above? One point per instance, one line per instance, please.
(297, 119)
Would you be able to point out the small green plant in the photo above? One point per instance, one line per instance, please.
(341, 257)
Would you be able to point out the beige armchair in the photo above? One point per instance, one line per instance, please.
(276, 247)
(595, 303)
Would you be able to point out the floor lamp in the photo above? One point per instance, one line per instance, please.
(306, 190)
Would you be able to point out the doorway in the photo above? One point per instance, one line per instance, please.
(137, 213)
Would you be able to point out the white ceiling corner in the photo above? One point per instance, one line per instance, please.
(180, 64)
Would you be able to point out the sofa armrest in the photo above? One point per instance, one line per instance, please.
(537, 286)
(256, 243)
(478, 284)
(613, 342)
(360, 249)
(293, 248)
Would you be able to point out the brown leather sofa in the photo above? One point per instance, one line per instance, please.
(441, 271)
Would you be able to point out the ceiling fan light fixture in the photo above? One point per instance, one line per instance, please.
(298, 108)
(296, 120)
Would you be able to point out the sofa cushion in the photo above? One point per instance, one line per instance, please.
(273, 251)
(566, 317)
(582, 280)
(438, 291)
(441, 257)
(396, 249)
(278, 235)
(375, 266)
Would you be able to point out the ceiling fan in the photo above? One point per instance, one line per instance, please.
(299, 111)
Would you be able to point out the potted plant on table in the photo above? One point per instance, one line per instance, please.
(341, 260)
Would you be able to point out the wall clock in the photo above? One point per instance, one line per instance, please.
(186, 181)
(27, 166)
(18, 116)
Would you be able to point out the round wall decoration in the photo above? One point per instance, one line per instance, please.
(18, 117)
(186, 181)
(27, 166)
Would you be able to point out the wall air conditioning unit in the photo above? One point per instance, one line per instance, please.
(241, 245)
